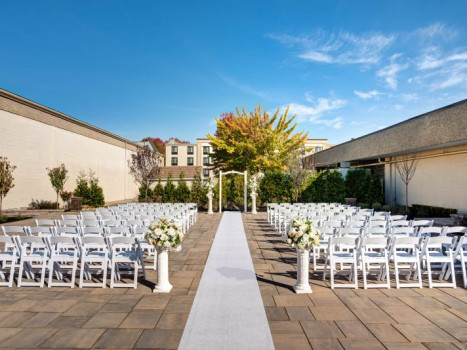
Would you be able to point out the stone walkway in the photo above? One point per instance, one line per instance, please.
(228, 312)
(96, 318)
(408, 318)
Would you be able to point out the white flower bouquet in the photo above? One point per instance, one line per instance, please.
(164, 233)
(302, 234)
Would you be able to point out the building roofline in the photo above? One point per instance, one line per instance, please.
(29, 103)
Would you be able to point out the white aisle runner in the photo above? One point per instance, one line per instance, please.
(228, 311)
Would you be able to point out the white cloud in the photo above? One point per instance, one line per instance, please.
(341, 48)
(317, 108)
(367, 95)
(435, 31)
(398, 107)
(390, 71)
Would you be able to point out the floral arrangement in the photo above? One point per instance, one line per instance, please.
(164, 233)
(302, 234)
(209, 185)
(253, 183)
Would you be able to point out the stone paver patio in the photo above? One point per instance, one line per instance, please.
(64, 318)
(408, 318)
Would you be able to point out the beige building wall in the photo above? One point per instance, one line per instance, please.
(440, 179)
(32, 146)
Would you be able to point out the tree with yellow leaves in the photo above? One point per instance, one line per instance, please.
(255, 141)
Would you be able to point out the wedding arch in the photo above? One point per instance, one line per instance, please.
(245, 185)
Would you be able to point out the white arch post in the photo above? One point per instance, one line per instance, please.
(245, 185)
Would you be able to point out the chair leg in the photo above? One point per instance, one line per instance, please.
(453, 272)
(135, 282)
(73, 272)
(20, 273)
(104, 274)
(81, 274)
(364, 274)
(51, 270)
(464, 272)
(112, 275)
(430, 278)
(396, 272)
(388, 276)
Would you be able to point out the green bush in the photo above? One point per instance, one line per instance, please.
(43, 204)
(427, 211)
(158, 192)
(144, 196)
(87, 186)
(328, 187)
(182, 191)
(276, 187)
(356, 184)
(198, 192)
(169, 191)
(377, 206)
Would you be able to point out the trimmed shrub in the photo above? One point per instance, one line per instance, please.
(43, 204)
(198, 192)
(87, 186)
(356, 184)
(182, 191)
(328, 187)
(158, 192)
(142, 193)
(427, 211)
(276, 187)
(169, 191)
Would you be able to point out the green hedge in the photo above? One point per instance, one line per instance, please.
(427, 211)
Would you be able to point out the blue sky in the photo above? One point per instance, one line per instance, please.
(166, 68)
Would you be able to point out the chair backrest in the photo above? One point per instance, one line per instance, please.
(374, 242)
(111, 223)
(42, 222)
(59, 243)
(68, 223)
(376, 231)
(405, 242)
(439, 242)
(14, 230)
(332, 223)
(137, 222)
(40, 231)
(65, 231)
(397, 217)
(355, 223)
(429, 231)
(350, 231)
(343, 242)
(95, 231)
(402, 231)
(117, 230)
(381, 213)
(455, 230)
(422, 223)
(90, 223)
(400, 223)
(6, 240)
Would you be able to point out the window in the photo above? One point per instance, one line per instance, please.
(205, 172)
(190, 161)
(206, 149)
(190, 150)
(205, 160)
(174, 161)
(318, 149)
(174, 149)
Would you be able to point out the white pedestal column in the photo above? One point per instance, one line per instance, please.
(303, 265)
(210, 195)
(163, 285)
(253, 203)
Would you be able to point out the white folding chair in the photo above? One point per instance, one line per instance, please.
(326, 233)
(111, 223)
(439, 250)
(92, 231)
(90, 223)
(422, 223)
(126, 251)
(94, 257)
(342, 250)
(63, 258)
(68, 223)
(406, 250)
(455, 230)
(120, 231)
(138, 233)
(42, 222)
(66, 231)
(8, 260)
(34, 257)
(373, 250)
(431, 231)
(43, 231)
(70, 217)
(350, 232)
(376, 231)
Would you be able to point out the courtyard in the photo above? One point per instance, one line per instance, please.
(126, 318)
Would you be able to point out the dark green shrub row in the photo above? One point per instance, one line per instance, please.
(427, 211)
(43, 204)
(87, 187)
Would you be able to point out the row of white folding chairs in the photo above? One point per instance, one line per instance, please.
(137, 231)
(410, 253)
(60, 254)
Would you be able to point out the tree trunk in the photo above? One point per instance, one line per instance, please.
(57, 199)
(406, 198)
(1, 200)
